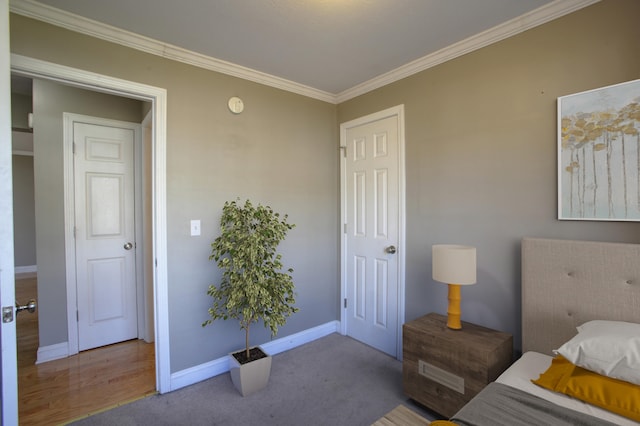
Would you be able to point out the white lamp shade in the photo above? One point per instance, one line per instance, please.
(454, 264)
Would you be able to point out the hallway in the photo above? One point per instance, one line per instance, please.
(57, 391)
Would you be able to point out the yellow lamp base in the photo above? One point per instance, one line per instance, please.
(453, 312)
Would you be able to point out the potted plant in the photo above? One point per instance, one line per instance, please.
(252, 286)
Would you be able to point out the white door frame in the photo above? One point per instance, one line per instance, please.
(36, 68)
(145, 233)
(70, 217)
(397, 111)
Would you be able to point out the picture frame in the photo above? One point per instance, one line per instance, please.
(599, 154)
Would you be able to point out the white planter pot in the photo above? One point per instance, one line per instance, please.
(250, 377)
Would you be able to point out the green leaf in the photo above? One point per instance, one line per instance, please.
(252, 288)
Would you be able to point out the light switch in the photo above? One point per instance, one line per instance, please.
(195, 228)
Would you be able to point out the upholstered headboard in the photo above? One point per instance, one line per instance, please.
(566, 283)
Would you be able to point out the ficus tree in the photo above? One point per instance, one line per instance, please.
(253, 286)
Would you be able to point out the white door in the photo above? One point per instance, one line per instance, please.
(8, 360)
(372, 234)
(105, 234)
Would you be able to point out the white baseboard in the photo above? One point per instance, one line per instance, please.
(31, 269)
(51, 352)
(199, 373)
(218, 366)
(277, 346)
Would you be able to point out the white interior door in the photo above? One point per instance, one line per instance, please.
(372, 208)
(8, 359)
(105, 233)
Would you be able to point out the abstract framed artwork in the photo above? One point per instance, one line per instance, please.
(599, 154)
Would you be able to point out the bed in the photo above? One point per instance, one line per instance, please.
(566, 286)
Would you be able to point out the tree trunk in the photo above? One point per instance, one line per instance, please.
(246, 341)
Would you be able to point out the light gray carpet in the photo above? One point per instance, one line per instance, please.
(334, 380)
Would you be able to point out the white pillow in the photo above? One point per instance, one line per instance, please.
(609, 348)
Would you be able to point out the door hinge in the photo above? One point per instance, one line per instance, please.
(345, 303)
(344, 151)
(77, 316)
(73, 148)
(345, 228)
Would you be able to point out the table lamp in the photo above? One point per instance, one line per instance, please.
(454, 265)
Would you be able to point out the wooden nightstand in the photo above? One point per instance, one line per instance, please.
(443, 369)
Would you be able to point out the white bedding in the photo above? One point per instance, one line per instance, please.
(530, 366)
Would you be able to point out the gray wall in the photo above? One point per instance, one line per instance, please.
(281, 151)
(481, 152)
(20, 109)
(50, 100)
(24, 221)
(24, 225)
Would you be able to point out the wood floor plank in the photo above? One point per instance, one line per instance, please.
(401, 416)
(58, 391)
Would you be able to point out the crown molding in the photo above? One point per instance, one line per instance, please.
(522, 23)
(76, 23)
(60, 18)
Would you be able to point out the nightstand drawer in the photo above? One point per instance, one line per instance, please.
(443, 368)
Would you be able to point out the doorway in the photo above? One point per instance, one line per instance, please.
(56, 389)
(372, 205)
(157, 97)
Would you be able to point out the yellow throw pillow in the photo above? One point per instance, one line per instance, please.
(614, 395)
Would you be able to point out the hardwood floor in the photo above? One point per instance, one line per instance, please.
(59, 391)
(402, 416)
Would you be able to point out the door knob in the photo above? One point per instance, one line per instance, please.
(31, 307)
(390, 249)
(128, 246)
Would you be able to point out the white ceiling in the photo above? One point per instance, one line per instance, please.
(330, 46)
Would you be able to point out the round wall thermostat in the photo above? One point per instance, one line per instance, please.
(236, 105)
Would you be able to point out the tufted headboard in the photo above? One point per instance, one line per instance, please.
(566, 283)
